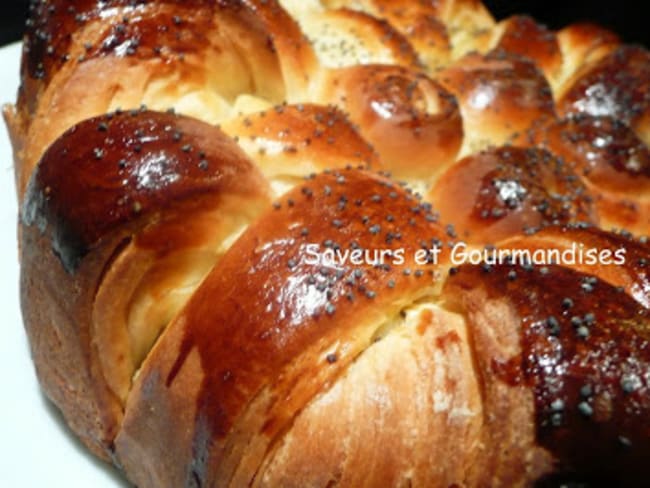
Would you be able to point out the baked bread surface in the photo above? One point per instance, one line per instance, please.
(177, 163)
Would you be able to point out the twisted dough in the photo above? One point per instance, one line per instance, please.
(172, 309)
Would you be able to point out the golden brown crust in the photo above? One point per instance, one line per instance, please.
(414, 382)
(523, 36)
(153, 29)
(268, 357)
(585, 42)
(500, 97)
(509, 191)
(164, 55)
(439, 30)
(337, 34)
(612, 163)
(419, 22)
(413, 123)
(581, 44)
(618, 86)
(108, 197)
(292, 141)
(173, 308)
(468, 23)
(110, 171)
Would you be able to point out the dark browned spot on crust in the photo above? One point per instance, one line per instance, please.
(118, 168)
(168, 30)
(144, 29)
(633, 274)
(585, 351)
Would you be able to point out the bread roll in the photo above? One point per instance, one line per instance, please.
(240, 223)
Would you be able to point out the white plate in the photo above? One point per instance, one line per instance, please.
(36, 448)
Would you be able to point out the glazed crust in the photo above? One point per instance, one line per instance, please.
(245, 378)
(612, 162)
(413, 122)
(615, 86)
(564, 329)
(523, 36)
(157, 54)
(631, 275)
(501, 95)
(290, 141)
(179, 317)
(510, 191)
(113, 187)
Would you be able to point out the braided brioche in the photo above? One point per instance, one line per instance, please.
(179, 164)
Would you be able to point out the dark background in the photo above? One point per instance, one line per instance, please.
(627, 18)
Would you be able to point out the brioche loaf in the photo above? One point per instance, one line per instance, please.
(179, 163)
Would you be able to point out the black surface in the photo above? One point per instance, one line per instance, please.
(12, 20)
(629, 19)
